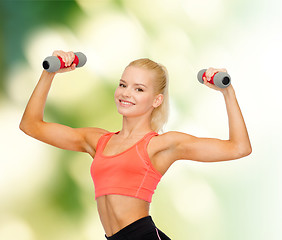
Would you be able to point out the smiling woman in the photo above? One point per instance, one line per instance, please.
(139, 90)
(158, 83)
(128, 165)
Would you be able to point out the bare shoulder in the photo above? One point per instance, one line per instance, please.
(171, 139)
(166, 144)
(170, 144)
(92, 136)
(162, 149)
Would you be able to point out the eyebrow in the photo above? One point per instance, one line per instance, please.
(121, 80)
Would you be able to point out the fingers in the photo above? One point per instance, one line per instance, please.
(67, 69)
(211, 71)
(67, 57)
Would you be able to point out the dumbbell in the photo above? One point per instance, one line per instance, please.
(220, 79)
(53, 63)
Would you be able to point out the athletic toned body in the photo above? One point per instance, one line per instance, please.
(135, 101)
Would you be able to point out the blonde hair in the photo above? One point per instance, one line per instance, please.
(159, 115)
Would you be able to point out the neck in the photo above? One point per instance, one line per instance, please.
(135, 126)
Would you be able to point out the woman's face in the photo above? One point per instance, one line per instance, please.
(135, 94)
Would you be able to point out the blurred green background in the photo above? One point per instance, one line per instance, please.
(47, 193)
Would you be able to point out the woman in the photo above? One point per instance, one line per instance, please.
(128, 164)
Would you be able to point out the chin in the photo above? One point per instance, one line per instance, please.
(126, 113)
(129, 113)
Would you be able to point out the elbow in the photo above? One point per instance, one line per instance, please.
(24, 127)
(239, 150)
(250, 149)
(28, 127)
(245, 150)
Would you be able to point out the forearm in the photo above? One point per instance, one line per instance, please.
(35, 108)
(238, 134)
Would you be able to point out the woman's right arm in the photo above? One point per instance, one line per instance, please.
(61, 136)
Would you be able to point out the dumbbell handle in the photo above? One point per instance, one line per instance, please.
(53, 63)
(220, 79)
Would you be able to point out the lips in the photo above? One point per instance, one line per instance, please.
(126, 103)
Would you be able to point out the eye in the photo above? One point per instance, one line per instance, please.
(139, 90)
(122, 85)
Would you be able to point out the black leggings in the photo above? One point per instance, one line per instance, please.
(142, 229)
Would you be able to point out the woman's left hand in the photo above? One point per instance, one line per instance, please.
(209, 73)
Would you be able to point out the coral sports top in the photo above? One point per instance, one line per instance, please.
(128, 173)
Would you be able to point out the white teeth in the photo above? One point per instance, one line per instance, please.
(126, 103)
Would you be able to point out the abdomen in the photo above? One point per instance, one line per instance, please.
(117, 211)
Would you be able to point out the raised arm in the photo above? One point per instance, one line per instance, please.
(61, 136)
(185, 146)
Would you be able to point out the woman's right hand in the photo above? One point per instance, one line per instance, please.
(68, 58)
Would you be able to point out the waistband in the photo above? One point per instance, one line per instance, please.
(129, 232)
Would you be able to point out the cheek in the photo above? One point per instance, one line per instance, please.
(147, 101)
(116, 93)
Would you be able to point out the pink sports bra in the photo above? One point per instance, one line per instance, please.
(128, 173)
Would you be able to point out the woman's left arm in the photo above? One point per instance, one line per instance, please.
(185, 146)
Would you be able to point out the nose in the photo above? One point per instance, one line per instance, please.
(126, 92)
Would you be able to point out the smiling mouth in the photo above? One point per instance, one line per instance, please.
(127, 103)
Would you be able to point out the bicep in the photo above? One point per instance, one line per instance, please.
(64, 137)
(203, 149)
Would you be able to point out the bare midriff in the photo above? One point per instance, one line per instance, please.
(118, 211)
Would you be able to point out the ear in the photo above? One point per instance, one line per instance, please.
(158, 100)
